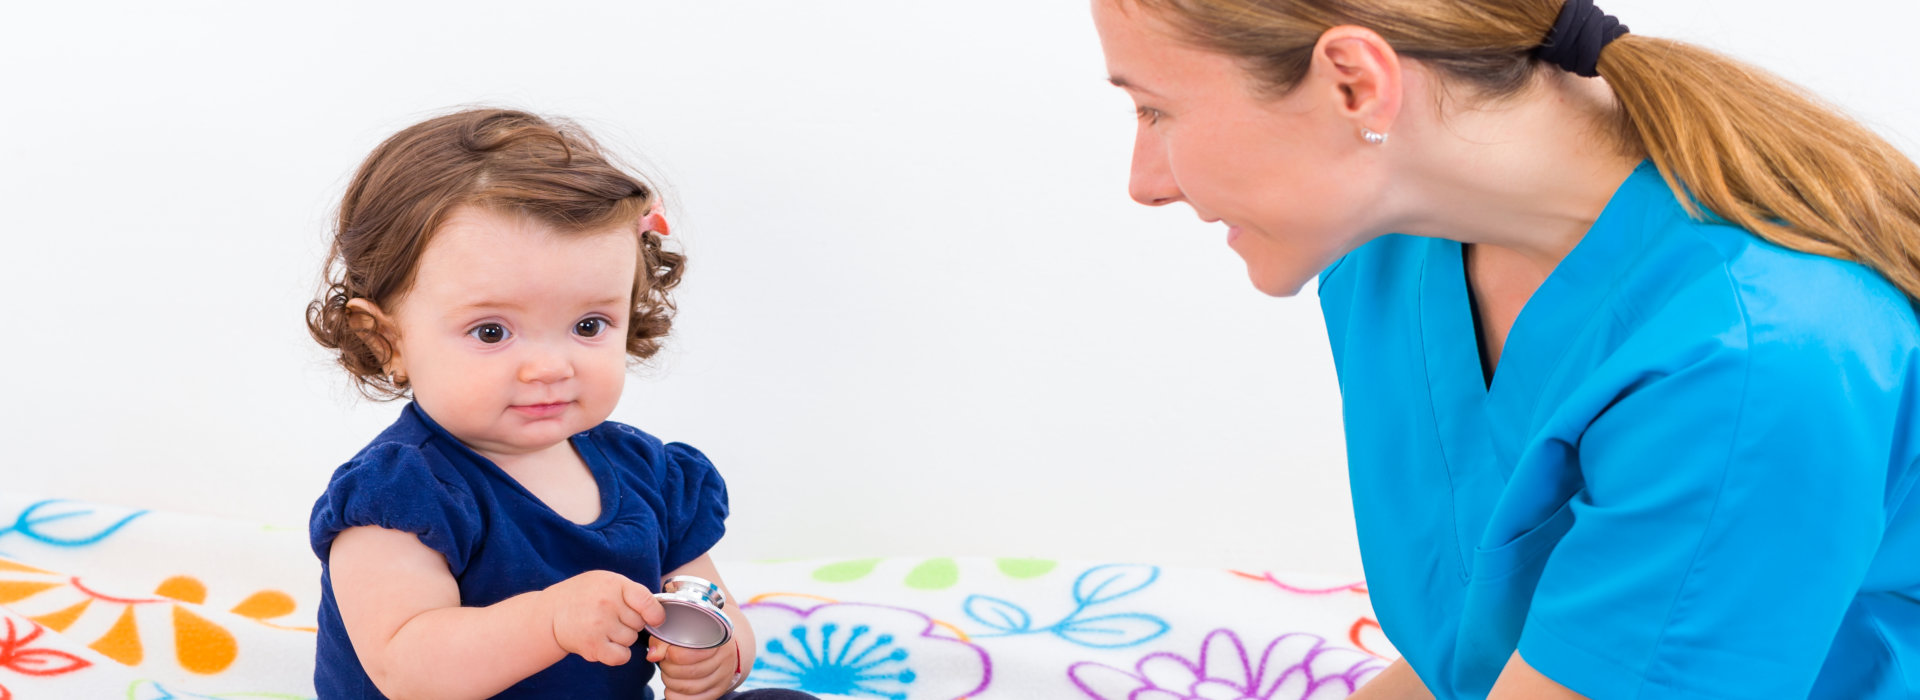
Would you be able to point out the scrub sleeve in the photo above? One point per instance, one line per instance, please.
(1716, 548)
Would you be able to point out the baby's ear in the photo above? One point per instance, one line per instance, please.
(372, 324)
(364, 316)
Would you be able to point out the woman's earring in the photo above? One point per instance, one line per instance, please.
(1373, 137)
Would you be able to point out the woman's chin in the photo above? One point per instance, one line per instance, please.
(1275, 285)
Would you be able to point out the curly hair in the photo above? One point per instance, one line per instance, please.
(498, 159)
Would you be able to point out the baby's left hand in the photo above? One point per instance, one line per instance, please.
(694, 674)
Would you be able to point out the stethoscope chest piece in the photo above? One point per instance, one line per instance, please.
(694, 617)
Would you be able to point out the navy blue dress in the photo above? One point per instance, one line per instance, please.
(661, 506)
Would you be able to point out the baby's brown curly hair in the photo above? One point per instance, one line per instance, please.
(499, 159)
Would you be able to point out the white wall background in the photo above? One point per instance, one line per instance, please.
(921, 316)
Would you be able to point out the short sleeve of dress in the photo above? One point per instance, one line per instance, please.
(1733, 503)
(696, 502)
(395, 486)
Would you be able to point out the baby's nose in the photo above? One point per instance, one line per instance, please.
(546, 365)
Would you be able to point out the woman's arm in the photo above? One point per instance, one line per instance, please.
(401, 608)
(700, 674)
(1521, 682)
(1398, 682)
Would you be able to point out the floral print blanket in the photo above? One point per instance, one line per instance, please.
(101, 601)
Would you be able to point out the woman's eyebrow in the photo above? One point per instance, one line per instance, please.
(1122, 83)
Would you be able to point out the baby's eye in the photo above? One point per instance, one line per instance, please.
(489, 333)
(588, 328)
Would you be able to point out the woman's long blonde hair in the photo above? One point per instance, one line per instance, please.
(1749, 147)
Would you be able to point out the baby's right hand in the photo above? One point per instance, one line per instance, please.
(599, 615)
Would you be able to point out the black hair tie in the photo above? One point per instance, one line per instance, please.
(1577, 37)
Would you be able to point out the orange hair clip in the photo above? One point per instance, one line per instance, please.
(655, 222)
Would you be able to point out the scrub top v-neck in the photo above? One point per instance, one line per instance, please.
(1689, 476)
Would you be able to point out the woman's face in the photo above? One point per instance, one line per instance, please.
(1285, 174)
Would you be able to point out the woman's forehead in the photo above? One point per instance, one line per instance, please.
(1146, 58)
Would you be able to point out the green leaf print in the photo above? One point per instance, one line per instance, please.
(934, 574)
(844, 571)
(1025, 568)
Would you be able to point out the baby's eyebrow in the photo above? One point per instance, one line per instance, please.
(490, 305)
(487, 305)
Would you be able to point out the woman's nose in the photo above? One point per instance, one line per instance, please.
(1151, 181)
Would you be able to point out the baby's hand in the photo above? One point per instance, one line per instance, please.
(599, 615)
(695, 674)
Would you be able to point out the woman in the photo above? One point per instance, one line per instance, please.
(1630, 406)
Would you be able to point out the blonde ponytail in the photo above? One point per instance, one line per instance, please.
(1763, 155)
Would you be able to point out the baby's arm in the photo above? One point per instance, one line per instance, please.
(704, 674)
(401, 608)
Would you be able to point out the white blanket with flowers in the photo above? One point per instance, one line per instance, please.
(101, 601)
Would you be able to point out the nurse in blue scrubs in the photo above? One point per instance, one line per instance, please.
(1625, 334)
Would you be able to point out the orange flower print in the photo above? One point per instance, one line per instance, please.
(200, 645)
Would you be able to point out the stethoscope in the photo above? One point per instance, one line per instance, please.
(694, 617)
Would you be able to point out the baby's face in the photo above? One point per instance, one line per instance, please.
(513, 336)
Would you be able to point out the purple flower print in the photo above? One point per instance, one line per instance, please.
(864, 651)
(1295, 666)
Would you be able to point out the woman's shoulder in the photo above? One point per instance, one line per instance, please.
(1383, 272)
(1390, 252)
(1778, 296)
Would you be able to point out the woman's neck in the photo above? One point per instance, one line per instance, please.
(1528, 174)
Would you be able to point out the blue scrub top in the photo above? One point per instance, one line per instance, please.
(1689, 477)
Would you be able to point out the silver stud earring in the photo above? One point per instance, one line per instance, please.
(1373, 137)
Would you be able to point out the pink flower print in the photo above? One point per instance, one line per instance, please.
(1295, 666)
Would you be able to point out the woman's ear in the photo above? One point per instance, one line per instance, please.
(1360, 73)
(376, 328)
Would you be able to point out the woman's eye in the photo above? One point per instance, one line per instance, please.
(590, 327)
(1147, 114)
(489, 333)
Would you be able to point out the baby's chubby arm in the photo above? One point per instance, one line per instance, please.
(401, 607)
(704, 674)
